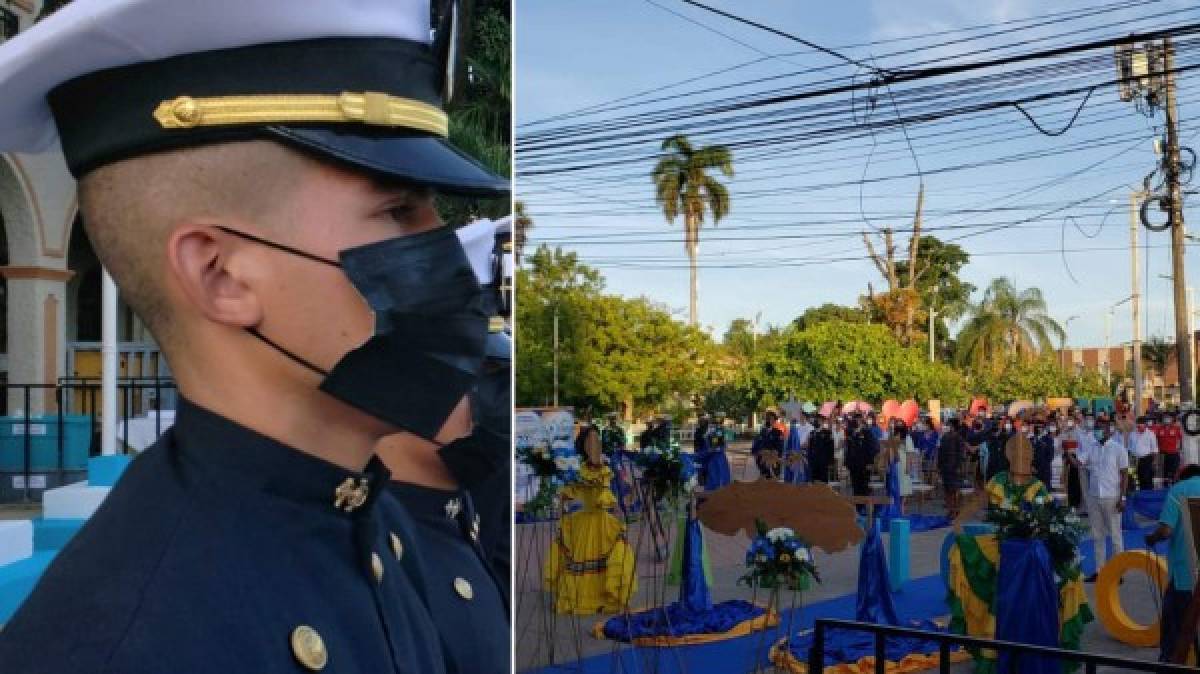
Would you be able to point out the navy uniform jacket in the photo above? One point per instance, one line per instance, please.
(493, 503)
(464, 594)
(213, 548)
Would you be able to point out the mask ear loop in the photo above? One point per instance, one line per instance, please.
(294, 251)
(279, 246)
(295, 358)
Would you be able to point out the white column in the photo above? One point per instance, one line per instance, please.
(108, 354)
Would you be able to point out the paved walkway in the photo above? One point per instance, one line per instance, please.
(543, 637)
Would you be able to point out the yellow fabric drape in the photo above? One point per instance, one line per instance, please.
(591, 567)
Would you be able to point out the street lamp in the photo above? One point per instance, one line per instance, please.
(1066, 339)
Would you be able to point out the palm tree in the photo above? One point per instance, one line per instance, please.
(1007, 325)
(682, 185)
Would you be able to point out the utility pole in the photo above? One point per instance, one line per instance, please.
(1134, 201)
(1108, 316)
(932, 314)
(1191, 297)
(1183, 335)
(555, 355)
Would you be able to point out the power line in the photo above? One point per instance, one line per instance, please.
(776, 31)
(1023, 24)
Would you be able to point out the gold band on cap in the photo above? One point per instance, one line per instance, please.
(371, 107)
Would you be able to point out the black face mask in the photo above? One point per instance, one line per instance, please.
(430, 329)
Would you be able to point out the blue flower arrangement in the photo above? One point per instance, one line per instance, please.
(669, 470)
(555, 464)
(778, 559)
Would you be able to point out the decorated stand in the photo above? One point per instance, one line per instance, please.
(1021, 583)
(590, 568)
(853, 651)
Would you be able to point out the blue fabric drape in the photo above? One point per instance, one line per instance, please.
(1148, 504)
(693, 589)
(1026, 603)
(716, 472)
(874, 604)
(799, 474)
(892, 484)
(674, 620)
(850, 646)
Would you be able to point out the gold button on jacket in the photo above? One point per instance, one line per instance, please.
(309, 648)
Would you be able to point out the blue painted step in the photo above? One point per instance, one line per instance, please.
(18, 579)
(53, 534)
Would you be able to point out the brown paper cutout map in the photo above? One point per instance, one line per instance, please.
(818, 515)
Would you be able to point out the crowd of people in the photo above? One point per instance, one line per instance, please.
(1094, 453)
(1095, 460)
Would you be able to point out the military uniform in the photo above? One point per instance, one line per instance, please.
(465, 595)
(221, 550)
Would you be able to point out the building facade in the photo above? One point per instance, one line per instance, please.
(1115, 364)
(50, 294)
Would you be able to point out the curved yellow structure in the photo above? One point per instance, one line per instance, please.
(1116, 621)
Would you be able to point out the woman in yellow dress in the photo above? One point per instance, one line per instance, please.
(591, 568)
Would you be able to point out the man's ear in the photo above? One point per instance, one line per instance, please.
(209, 267)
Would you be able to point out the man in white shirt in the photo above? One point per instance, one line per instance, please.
(1145, 448)
(1106, 463)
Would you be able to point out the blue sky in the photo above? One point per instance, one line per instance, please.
(583, 52)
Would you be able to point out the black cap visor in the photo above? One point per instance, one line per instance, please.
(423, 160)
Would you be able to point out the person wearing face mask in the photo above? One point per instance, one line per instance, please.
(1170, 437)
(767, 448)
(1180, 557)
(1145, 450)
(975, 439)
(861, 449)
(926, 439)
(950, 454)
(1072, 476)
(821, 450)
(997, 440)
(1043, 453)
(1107, 463)
(260, 184)
(903, 444)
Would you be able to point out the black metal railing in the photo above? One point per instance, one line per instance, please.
(51, 429)
(1090, 661)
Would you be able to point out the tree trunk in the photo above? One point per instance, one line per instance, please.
(692, 244)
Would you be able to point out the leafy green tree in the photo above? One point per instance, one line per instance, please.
(739, 339)
(1035, 379)
(481, 111)
(613, 351)
(1007, 325)
(729, 399)
(522, 223)
(938, 281)
(830, 312)
(553, 282)
(682, 185)
(837, 360)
